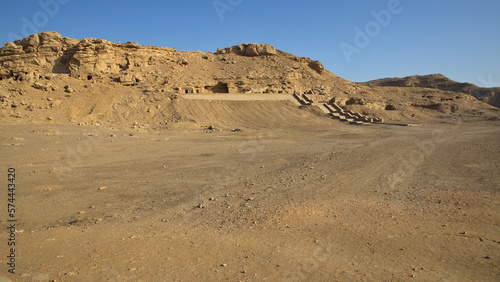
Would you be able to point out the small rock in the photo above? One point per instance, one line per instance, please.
(68, 89)
(390, 107)
(102, 188)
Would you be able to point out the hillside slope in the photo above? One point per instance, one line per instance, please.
(49, 78)
(441, 82)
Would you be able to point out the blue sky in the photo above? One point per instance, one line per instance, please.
(358, 40)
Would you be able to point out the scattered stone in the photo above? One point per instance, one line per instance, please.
(102, 188)
(356, 101)
(68, 89)
(182, 62)
(41, 86)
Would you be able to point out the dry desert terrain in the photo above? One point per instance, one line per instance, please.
(292, 197)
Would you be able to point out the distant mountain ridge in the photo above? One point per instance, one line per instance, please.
(441, 82)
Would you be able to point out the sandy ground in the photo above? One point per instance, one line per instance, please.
(240, 97)
(311, 201)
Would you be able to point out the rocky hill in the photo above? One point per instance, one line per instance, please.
(247, 68)
(47, 77)
(441, 82)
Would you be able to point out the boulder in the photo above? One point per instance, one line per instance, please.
(390, 107)
(250, 50)
(316, 66)
(356, 101)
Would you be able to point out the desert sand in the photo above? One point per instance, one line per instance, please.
(311, 201)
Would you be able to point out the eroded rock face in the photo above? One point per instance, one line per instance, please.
(317, 67)
(49, 52)
(250, 50)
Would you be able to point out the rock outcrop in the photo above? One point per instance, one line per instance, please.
(250, 50)
(49, 52)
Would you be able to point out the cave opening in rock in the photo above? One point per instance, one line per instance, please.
(220, 88)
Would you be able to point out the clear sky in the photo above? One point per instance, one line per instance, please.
(358, 40)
